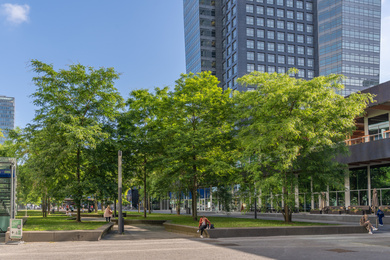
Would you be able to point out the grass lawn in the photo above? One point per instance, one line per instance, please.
(58, 221)
(224, 222)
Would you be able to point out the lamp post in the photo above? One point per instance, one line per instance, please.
(120, 217)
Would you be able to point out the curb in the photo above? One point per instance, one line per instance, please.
(266, 231)
(64, 235)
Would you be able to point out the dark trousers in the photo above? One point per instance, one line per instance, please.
(202, 228)
(108, 219)
(380, 220)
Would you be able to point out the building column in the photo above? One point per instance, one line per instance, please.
(296, 194)
(327, 196)
(259, 198)
(347, 190)
(369, 184)
(311, 190)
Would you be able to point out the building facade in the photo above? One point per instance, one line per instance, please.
(349, 41)
(231, 38)
(7, 116)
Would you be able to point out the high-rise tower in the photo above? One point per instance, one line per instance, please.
(349, 41)
(7, 115)
(234, 37)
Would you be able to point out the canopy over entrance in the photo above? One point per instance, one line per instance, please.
(7, 191)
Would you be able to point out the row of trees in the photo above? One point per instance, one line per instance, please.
(181, 139)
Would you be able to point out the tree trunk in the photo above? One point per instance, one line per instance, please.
(287, 212)
(178, 203)
(115, 207)
(139, 202)
(48, 204)
(149, 206)
(43, 206)
(96, 204)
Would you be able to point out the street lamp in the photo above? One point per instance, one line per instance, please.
(120, 217)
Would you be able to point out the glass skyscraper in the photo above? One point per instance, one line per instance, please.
(349, 41)
(7, 115)
(234, 37)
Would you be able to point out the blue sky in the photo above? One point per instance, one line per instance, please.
(143, 40)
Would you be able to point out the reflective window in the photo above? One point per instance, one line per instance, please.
(250, 67)
(271, 58)
(271, 69)
(290, 37)
(260, 33)
(290, 48)
(271, 23)
(250, 20)
(270, 11)
(291, 60)
(280, 36)
(250, 55)
(259, 21)
(280, 24)
(261, 68)
(260, 10)
(249, 8)
(250, 44)
(290, 26)
(280, 47)
(281, 59)
(271, 46)
(260, 57)
(250, 32)
(260, 45)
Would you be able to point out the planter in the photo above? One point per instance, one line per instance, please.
(359, 212)
(315, 211)
(338, 212)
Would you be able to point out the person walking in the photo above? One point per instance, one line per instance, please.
(202, 225)
(108, 214)
(366, 223)
(380, 215)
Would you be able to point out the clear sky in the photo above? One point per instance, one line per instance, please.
(143, 40)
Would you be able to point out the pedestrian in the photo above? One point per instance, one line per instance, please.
(203, 221)
(380, 215)
(108, 213)
(366, 223)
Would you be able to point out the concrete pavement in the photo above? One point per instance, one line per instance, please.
(360, 246)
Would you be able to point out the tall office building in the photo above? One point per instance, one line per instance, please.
(349, 41)
(7, 115)
(234, 37)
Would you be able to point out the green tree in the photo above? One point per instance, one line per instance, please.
(286, 121)
(138, 130)
(73, 104)
(198, 132)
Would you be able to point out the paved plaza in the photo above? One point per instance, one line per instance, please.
(153, 242)
(362, 246)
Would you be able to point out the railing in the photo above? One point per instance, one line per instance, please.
(368, 138)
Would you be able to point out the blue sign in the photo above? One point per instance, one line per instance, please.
(5, 173)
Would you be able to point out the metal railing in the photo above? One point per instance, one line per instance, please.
(368, 138)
